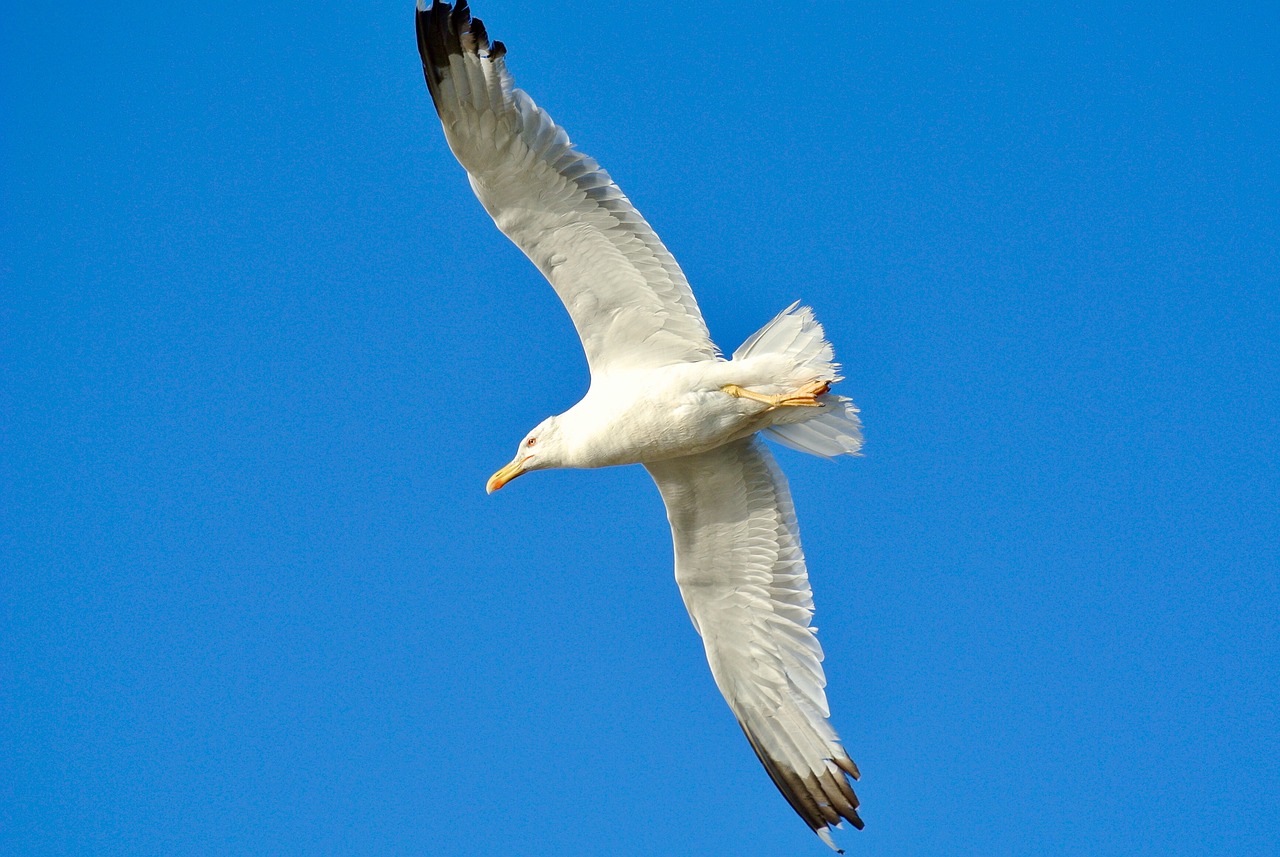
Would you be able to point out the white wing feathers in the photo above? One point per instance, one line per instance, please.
(628, 299)
(743, 578)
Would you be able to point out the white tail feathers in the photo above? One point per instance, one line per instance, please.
(831, 430)
(796, 333)
(834, 430)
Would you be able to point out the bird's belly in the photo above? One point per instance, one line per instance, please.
(658, 427)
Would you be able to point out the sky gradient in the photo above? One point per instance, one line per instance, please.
(261, 348)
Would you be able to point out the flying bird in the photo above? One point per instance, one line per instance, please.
(662, 395)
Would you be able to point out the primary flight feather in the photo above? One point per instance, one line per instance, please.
(662, 395)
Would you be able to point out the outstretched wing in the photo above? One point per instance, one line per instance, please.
(743, 578)
(629, 300)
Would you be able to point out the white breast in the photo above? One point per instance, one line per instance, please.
(634, 417)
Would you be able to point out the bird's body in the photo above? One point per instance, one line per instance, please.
(662, 395)
(640, 416)
(655, 414)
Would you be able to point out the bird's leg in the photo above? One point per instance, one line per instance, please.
(743, 393)
(805, 396)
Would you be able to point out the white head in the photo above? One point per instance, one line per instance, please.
(540, 449)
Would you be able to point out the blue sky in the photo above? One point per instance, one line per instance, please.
(261, 349)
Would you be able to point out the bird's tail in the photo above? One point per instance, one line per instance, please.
(834, 429)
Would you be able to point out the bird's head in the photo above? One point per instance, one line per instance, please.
(539, 450)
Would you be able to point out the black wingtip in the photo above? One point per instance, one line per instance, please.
(460, 14)
(480, 33)
(439, 27)
(820, 806)
(444, 30)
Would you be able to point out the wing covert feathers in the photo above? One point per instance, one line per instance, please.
(743, 578)
(629, 300)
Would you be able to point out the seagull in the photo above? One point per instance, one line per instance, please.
(663, 395)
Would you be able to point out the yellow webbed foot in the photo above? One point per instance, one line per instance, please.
(803, 397)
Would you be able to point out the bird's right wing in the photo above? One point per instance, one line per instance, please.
(743, 578)
(629, 300)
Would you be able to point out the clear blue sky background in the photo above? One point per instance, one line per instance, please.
(261, 348)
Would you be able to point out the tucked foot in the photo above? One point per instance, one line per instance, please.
(803, 397)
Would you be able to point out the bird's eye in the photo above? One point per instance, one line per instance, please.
(531, 441)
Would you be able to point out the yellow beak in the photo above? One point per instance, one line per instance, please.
(506, 474)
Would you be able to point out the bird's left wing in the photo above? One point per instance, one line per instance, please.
(629, 300)
(743, 578)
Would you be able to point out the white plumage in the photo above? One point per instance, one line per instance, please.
(663, 396)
